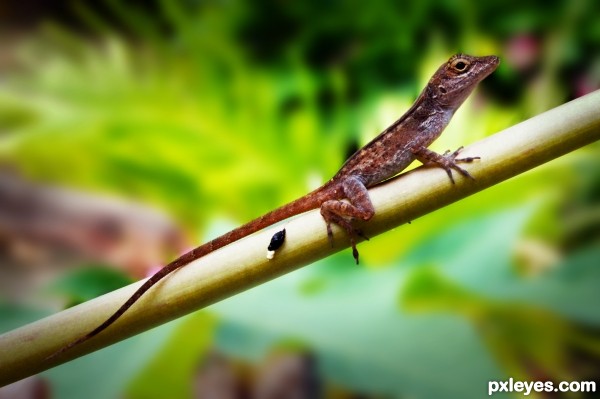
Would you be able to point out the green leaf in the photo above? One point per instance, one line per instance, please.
(105, 374)
(88, 282)
(14, 316)
(170, 373)
(528, 341)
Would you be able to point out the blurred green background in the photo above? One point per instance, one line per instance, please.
(215, 112)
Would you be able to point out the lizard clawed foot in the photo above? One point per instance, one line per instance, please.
(342, 213)
(347, 226)
(352, 233)
(354, 251)
(448, 161)
(455, 154)
(329, 234)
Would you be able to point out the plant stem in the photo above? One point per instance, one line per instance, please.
(243, 264)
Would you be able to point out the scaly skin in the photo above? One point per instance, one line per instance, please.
(384, 157)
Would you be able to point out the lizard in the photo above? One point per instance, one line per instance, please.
(382, 158)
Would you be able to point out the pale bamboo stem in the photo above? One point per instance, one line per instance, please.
(243, 264)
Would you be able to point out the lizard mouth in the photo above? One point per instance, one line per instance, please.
(491, 62)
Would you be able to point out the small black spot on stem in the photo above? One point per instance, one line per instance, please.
(277, 240)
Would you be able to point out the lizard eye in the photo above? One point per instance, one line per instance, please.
(460, 65)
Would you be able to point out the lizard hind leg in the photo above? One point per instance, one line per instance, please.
(343, 213)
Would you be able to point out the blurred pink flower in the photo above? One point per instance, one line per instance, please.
(585, 84)
(522, 52)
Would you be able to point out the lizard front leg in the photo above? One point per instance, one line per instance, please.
(342, 213)
(446, 161)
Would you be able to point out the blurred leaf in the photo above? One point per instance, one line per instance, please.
(87, 283)
(529, 342)
(570, 288)
(171, 372)
(13, 114)
(106, 374)
(14, 316)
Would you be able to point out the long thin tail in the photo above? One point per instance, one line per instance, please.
(301, 205)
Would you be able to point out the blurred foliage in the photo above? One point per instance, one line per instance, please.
(525, 340)
(373, 343)
(189, 343)
(220, 111)
(88, 283)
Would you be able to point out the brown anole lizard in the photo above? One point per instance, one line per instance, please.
(384, 157)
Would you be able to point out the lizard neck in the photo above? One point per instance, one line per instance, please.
(391, 151)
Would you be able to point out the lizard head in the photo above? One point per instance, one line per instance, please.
(456, 79)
